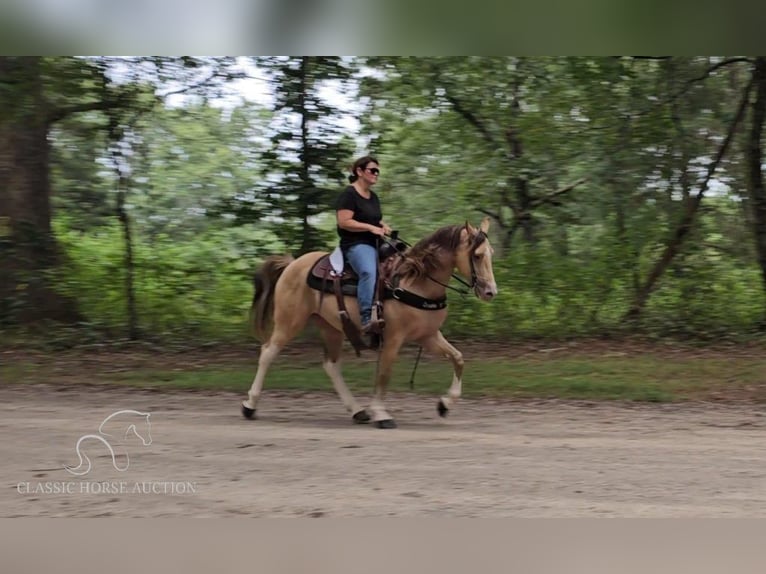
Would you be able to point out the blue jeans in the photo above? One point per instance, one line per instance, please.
(364, 261)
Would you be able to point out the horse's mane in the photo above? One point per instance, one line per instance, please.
(426, 256)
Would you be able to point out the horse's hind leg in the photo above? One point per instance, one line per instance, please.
(269, 352)
(333, 346)
(440, 346)
(283, 333)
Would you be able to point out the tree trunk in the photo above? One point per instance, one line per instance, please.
(617, 181)
(523, 197)
(687, 220)
(754, 162)
(28, 251)
(306, 235)
(130, 291)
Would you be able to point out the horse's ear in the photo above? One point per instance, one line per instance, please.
(485, 224)
(465, 232)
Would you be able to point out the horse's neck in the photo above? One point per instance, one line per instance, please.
(431, 286)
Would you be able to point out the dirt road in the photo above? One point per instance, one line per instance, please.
(302, 457)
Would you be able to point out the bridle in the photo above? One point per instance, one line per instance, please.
(478, 239)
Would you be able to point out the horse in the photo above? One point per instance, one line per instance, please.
(283, 304)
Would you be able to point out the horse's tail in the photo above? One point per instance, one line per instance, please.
(262, 309)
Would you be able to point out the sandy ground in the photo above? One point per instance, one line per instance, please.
(303, 457)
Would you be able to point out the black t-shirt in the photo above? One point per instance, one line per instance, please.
(365, 211)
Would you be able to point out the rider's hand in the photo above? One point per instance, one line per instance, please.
(375, 230)
(386, 229)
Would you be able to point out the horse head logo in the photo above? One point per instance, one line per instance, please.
(116, 429)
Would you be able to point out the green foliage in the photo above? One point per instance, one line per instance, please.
(211, 189)
(191, 290)
(710, 294)
(465, 136)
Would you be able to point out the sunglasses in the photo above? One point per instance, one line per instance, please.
(373, 171)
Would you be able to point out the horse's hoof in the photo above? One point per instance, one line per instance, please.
(442, 408)
(247, 412)
(361, 417)
(386, 424)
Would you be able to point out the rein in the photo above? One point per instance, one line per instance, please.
(462, 292)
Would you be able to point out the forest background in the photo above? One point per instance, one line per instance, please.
(138, 195)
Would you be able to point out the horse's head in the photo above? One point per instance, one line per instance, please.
(474, 260)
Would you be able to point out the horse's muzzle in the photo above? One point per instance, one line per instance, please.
(486, 291)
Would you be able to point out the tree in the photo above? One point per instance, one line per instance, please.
(690, 208)
(303, 169)
(35, 94)
(486, 111)
(754, 164)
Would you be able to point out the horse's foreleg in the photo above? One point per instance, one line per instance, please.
(440, 346)
(333, 340)
(388, 354)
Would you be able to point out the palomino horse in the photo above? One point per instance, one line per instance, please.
(284, 302)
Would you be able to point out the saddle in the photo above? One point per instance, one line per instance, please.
(332, 274)
(330, 267)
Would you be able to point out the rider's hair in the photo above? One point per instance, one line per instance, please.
(361, 163)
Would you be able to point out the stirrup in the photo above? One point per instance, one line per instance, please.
(373, 327)
(369, 327)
